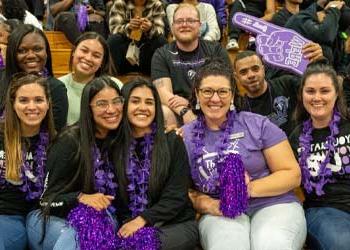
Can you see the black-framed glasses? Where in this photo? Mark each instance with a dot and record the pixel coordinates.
(103, 105)
(189, 21)
(209, 92)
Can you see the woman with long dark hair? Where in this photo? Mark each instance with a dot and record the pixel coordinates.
(79, 170)
(153, 175)
(28, 51)
(322, 146)
(90, 58)
(25, 132)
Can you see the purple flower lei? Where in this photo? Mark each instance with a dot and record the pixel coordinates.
(324, 173)
(104, 175)
(138, 173)
(230, 170)
(32, 179)
(95, 229)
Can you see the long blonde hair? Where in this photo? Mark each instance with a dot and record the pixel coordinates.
(12, 124)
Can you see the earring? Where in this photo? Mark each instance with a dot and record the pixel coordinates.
(232, 106)
(197, 107)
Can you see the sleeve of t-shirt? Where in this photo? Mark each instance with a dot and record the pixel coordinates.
(159, 65)
(59, 100)
(271, 134)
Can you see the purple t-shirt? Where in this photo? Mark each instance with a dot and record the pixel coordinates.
(251, 134)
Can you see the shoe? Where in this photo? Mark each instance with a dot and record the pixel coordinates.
(232, 44)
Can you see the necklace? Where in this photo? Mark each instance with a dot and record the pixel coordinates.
(32, 177)
(246, 98)
(324, 174)
(138, 173)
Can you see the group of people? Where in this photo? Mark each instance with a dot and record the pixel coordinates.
(114, 179)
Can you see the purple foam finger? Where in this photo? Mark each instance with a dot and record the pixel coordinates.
(285, 43)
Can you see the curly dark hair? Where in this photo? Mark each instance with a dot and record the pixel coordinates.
(13, 9)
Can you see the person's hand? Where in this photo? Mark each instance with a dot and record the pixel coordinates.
(204, 203)
(135, 23)
(177, 101)
(131, 227)
(146, 24)
(189, 117)
(312, 51)
(335, 4)
(247, 182)
(97, 201)
(90, 9)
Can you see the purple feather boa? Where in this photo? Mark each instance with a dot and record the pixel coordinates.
(95, 229)
(324, 173)
(146, 238)
(82, 16)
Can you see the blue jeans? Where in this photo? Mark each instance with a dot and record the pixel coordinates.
(58, 234)
(12, 232)
(328, 228)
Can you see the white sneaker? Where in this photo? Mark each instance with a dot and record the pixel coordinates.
(232, 44)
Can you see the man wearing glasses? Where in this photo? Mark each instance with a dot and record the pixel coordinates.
(175, 64)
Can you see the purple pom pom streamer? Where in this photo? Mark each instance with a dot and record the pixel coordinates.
(2, 64)
(95, 229)
(82, 16)
(233, 190)
(146, 238)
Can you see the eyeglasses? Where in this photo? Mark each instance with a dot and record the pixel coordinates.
(189, 21)
(103, 105)
(209, 92)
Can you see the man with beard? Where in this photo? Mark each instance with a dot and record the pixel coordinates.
(175, 64)
(274, 98)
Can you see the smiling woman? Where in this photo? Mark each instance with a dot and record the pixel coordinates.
(25, 132)
(90, 58)
(323, 152)
(28, 51)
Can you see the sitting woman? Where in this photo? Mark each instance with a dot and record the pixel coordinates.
(153, 175)
(321, 143)
(79, 169)
(209, 25)
(26, 130)
(243, 170)
(90, 58)
(141, 21)
(28, 51)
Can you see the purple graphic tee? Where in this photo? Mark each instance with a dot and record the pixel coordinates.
(251, 134)
(278, 46)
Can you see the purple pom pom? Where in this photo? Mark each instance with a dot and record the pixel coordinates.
(146, 238)
(233, 190)
(95, 230)
(82, 16)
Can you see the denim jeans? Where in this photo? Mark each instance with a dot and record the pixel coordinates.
(58, 234)
(328, 228)
(276, 227)
(12, 232)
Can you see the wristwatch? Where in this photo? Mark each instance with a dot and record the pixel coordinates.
(183, 111)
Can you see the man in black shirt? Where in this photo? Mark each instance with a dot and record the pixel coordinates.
(274, 98)
(174, 65)
(290, 8)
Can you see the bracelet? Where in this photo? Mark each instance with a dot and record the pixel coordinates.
(183, 111)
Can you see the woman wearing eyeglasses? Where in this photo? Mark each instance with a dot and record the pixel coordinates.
(79, 170)
(25, 133)
(243, 171)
